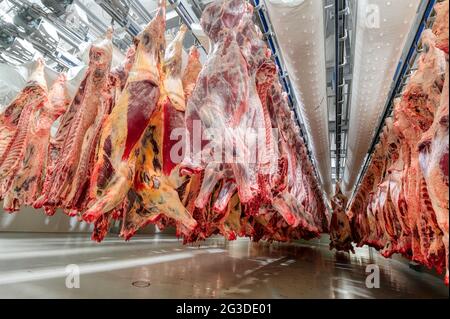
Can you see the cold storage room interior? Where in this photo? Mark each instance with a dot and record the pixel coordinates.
(224, 149)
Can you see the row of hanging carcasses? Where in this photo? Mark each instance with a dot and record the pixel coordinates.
(402, 203)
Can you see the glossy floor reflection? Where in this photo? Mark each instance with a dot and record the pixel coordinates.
(36, 266)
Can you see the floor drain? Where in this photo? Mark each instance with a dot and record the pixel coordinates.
(141, 283)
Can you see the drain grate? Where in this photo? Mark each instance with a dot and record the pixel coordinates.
(141, 283)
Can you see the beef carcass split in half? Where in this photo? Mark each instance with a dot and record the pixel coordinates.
(27, 183)
(218, 102)
(15, 124)
(158, 184)
(435, 165)
(67, 178)
(115, 168)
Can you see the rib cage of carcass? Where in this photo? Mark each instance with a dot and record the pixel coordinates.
(127, 145)
(402, 204)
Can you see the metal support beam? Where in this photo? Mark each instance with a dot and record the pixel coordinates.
(341, 9)
(185, 12)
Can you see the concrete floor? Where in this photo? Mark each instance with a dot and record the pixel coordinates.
(159, 266)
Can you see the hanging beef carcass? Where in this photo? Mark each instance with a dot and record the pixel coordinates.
(116, 82)
(292, 181)
(367, 211)
(441, 25)
(218, 104)
(132, 211)
(297, 209)
(157, 183)
(34, 92)
(262, 73)
(114, 171)
(15, 124)
(68, 179)
(219, 180)
(220, 172)
(420, 100)
(384, 205)
(433, 145)
(190, 189)
(434, 163)
(28, 180)
(340, 232)
(395, 175)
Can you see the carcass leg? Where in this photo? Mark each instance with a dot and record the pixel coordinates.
(224, 197)
(283, 207)
(213, 173)
(158, 197)
(114, 195)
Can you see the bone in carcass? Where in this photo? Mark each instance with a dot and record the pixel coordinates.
(28, 180)
(291, 183)
(15, 124)
(114, 170)
(262, 71)
(78, 131)
(134, 215)
(190, 74)
(433, 146)
(9, 118)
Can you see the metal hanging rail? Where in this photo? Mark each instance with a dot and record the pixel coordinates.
(403, 72)
(184, 11)
(272, 42)
(341, 10)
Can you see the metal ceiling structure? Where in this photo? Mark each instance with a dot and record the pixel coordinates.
(60, 29)
(339, 39)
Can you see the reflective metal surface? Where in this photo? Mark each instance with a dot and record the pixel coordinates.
(35, 266)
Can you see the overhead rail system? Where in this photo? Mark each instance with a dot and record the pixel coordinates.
(425, 19)
(184, 11)
(341, 10)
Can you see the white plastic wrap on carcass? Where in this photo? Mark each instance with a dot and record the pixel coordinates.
(299, 26)
(382, 29)
(13, 79)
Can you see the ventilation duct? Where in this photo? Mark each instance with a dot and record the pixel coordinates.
(380, 37)
(299, 26)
